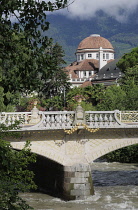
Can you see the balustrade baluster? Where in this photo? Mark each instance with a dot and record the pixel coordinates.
(47, 121)
(110, 119)
(21, 118)
(60, 120)
(5, 119)
(63, 121)
(13, 119)
(100, 120)
(95, 120)
(26, 119)
(68, 120)
(9, 120)
(17, 117)
(53, 124)
(105, 119)
(44, 120)
(57, 120)
(91, 120)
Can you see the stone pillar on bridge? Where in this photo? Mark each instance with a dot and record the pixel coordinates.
(77, 184)
(35, 117)
(79, 115)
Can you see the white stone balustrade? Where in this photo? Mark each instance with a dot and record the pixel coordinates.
(9, 118)
(48, 120)
(102, 119)
(57, 119)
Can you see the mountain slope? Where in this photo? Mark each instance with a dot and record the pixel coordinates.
(69, 32)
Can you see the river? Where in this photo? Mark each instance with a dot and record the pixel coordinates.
(116, 188)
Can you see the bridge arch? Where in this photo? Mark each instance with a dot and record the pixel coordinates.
(110, 146)
(41, 148)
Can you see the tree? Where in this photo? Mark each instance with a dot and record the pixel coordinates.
(129, 83)
(123, 97)
(14, 174)
(130, 86)
(128, 60)
(91, 94)
(130, 78)
(23, 57)
(124, 155)
(113, 98)
(55, 79)
(23, 61)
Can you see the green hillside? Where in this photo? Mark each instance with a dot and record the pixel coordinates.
(69, 32)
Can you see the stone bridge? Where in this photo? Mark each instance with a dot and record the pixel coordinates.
(73, 140)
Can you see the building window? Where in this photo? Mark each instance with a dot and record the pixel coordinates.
(103, 56)
(81, 56)
(89, 55)
(97, 55)
(90, 73)
(78, 57)
(107, 56)
(84, 73)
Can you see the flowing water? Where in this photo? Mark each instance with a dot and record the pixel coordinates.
(116, 188)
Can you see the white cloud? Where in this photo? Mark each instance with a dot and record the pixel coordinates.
(85, 9)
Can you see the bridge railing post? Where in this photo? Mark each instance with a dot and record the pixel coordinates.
(35, 117)
(79, 115)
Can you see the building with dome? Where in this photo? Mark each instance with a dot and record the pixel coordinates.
(93, 53)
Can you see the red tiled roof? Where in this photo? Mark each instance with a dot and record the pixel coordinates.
(86, 83)
(85, 65)
(89, 65)
(95, 42)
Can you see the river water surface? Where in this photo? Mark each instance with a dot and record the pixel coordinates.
(116, 188)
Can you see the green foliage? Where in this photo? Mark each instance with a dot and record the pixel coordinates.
(54, 103)
(26, 64)
(2, 106)
(129, 84)
(130, 78)
(14, 173)
(128, 60)
(54, 80)
(88, 106)
(125, 155)
(92, 95)
(28, 59)
(113, 98)
(132, 98)
(27, 104)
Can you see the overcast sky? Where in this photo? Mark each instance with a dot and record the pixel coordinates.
(85, 9)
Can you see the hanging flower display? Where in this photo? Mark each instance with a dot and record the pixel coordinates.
(76, 127)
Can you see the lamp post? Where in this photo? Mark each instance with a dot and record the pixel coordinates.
(64, 92)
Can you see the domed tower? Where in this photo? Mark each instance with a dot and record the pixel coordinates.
(92, 54)
(95, 47)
